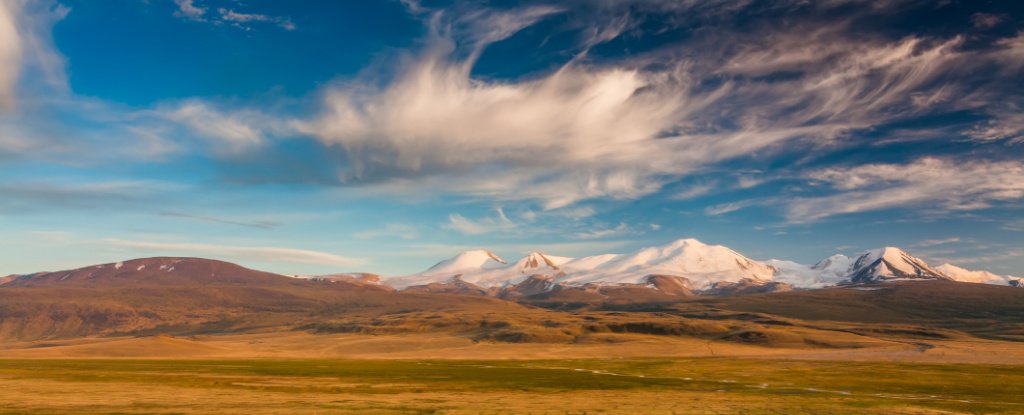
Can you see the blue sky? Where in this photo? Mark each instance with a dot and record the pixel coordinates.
(383, 136)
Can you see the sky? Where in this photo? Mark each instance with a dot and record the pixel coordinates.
(308, 137)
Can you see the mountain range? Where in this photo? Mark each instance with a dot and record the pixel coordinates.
(690, 263)
(481, 296)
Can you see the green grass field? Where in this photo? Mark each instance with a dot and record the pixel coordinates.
(707, 385)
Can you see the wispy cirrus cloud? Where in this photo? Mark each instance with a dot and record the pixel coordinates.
(619, 128)
(389, 230)
(10, 55)
(723, 208)
(34, 196)
(927, 183)
(259, 224)
(694, 191)
(1006, 124)
(227, 131)
(193, 10)
(497, 223)
(599, 233)
(430, 252)
(935, 242)
(625, 129)
(250, 253)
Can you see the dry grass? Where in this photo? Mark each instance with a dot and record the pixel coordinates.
(691, 386)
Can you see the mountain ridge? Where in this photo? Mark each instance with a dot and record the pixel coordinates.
(702, 265)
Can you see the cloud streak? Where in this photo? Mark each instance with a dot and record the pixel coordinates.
(191, 10)
(10, 54)
(927, 183)
(498, 223)
(258, 224)
(251, 253)
(626, 129)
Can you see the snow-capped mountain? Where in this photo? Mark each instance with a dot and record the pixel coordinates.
(826, 273)
(876, 265)
(966, 275)
(699, 263)
(483, 268)
(835, 267)
(468, 261)
(889, 263)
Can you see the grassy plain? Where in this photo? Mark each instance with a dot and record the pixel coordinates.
(330, 386)
(941, 348)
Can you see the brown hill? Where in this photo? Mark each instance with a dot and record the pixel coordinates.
(161, 271)
(745, 286)
(191, 296)
(980, 309)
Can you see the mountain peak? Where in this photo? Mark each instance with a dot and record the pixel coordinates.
(836, 263)
(891, 263)
(468, 260)
(537, 260)
(686, 242)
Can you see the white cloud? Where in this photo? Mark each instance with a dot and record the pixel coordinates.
(390, 230)
(27, 55)
(694, 191)
(31, 196)
(228, 220)
(498, 223)
(620, 230)
(187, 9)
(10, 53)
(240, 20)
(575, 213)
(192, 11)
(618, 129)
(228, 131)
(233, 16)
(578, 133)
(723, 208)
(934, 242)
(580, 248)
(486, 26)
(992, 255)
(1007, 123)
(623, 130)
(928, 183)
(251, 253)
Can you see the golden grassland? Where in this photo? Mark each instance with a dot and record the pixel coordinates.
(299, 372)
(681, 385)
(304, 345)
